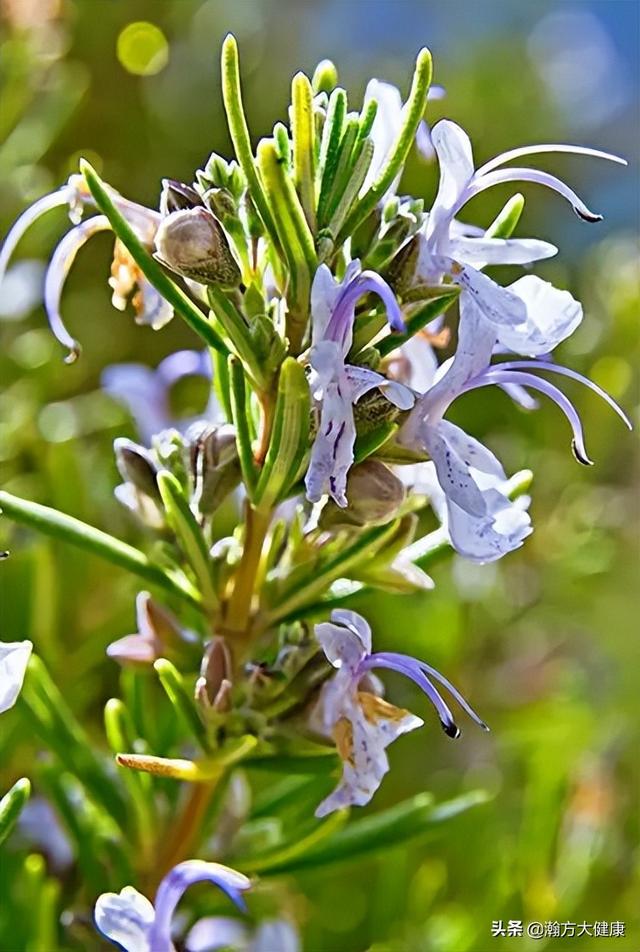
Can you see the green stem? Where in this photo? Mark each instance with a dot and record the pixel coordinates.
(61, 526)
(170, 291)
(240, 603)
(239, 416)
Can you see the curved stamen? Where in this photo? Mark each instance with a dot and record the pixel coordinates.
(500, 176)
(26, 220)
(408, 666)
(566, 372)
(61, 262)
(444, 681)
(545, 149)
(548, 389)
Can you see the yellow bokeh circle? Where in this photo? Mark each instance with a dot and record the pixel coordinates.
(142, 48)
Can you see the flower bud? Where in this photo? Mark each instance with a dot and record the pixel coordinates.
(215, 467)
(158, 635)
(177, 196)
(213, 687)
(375, 496)
(402, 271)
(220, 202)
(192, 243)
(372, 410)
(136, 465)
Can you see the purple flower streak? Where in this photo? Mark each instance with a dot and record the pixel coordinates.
(337, 386)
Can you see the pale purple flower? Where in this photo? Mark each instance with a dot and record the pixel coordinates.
(130, 920)
(14, 658)
(158, 633)
(483, 523)
(336, 386)
(530, 316)
(216, 932)
(126, 276)
(362, 724)
(146, 392)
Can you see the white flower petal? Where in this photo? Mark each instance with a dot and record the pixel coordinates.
(455, 156)
(487, 538)
(126, 919)
(385, 128)
(365, 728)
(14, 657)
(343, 644)
(454, 474)
(480, 252)
(498, 305)
(551, 316)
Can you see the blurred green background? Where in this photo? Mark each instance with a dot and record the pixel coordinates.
(544, 644)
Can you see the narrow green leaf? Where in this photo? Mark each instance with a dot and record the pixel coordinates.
(188, 533)
(239, 131)
(340, 209)
(373, 440)
(413, 113)
(333, 185)
(367, 118)
(272, 799)
(303, 132)
(236, 334)
(331, 137)
(304, 589)
(325, 77)
(221, 382)
(101, 843)
(63, 734)
(505, 222)
(290, 219)
(407, 821)
(183, 703)
(283, 143)
(121, 735)
(11, 806)
(68, 529)
(240, 417)
(43, 894)
(289, 435)
(295, 848)
(181, 302)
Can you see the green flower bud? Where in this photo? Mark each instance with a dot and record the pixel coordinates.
(375, 496)
(372, 410)
(192, 243)
(220, 202)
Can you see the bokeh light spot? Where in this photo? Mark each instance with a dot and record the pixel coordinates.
(142, 48)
